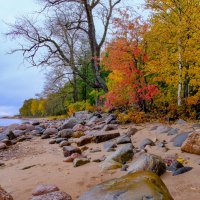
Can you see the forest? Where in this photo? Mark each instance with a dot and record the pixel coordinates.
(103, 55)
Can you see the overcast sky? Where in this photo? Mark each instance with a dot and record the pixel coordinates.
(17, 81)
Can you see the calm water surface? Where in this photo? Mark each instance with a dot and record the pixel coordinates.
(6, 122)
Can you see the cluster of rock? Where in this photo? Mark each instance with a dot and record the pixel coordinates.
(143, 169)
(49, 192)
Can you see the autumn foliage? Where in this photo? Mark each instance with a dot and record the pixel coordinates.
(125, 58)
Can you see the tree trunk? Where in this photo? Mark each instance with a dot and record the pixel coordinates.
(75, 89)
(100, 82)
(180, 74)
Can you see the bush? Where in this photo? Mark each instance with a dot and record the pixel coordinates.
(78, 106)
(131, 116)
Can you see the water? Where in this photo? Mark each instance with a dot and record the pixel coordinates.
(6, 122)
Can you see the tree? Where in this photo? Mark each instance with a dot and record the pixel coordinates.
(173, 46)
(125, 57)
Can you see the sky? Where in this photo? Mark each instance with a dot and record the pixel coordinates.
(18, 81)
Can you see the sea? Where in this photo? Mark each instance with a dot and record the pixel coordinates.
(7, 122)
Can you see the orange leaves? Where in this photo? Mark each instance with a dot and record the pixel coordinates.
(125, 58)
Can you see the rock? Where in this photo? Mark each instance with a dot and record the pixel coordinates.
(179, 139)
(181, 170)
(53, 196)
(70, 123)
(148, 162)
(137, 186)
(11, 135)
(78, 134)
(80, 161)
(110, 118)
(102, 137)
(174, 166)
(35, 123)
(110, 127)
(162, 129)
(21, 127)
(3, 146)
(84, 140)
(3, 136)
(74, 156)
(173, 131)
(65, 143)
(69, 150)
(109, 145)
(59, 140)
(95, 150)
(44, 189)
(4, 195)
(7, 142)
(192, 144)
(123, 154)
(131, 131)
(45, 136)
(80, 127)
(18, 133)
(2, 164)
(82, 115)
(124, 168)
(93, 121)
(50, 131)
(66, 133)
(110, 164)
(181, 121)
(37, 132)
(53, 141)
(146, 142)
(124, 139)
(98, 160)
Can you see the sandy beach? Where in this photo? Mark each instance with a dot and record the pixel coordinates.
(36, 162)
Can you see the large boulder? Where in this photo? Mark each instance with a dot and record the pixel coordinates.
(70, 123)
(4, 195)
(192, 144)
(138, 186)
(148, 162)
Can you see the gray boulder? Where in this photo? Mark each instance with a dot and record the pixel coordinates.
(148, 162)
(123, 154)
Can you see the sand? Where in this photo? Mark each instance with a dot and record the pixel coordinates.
(36, 162)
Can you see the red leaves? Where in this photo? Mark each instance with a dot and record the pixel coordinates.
(125, 58)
